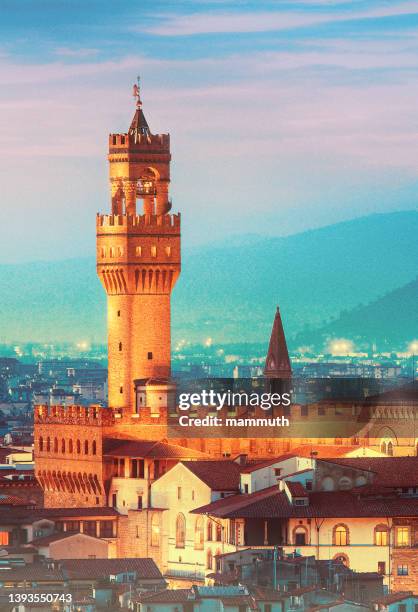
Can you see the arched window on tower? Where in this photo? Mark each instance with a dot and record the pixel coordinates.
(390, 449)
(48, 443)
(86, 447)
(93, 447)
(55, 445)
(41, 443)
(78, 445)
(70, 445)
(63, 445)
(180, 531)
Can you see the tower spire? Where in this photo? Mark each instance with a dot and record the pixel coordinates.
(139, 127)
(277, 362)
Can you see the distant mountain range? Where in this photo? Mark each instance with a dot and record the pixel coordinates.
(230, 291)
(391, 321)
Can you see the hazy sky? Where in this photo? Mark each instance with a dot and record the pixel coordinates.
(284, 116)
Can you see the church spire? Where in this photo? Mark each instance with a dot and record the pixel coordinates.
(277, 361)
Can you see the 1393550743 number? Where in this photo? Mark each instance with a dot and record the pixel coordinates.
(40, 597)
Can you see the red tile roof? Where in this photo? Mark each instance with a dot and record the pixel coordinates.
(253, 467)
(12, 500)
(390, 471)
(272, 503)
(391, 598)
(149, 449)
(167, 596)
(221, 475)
(93, 569)
(56, 537)
(296, 489)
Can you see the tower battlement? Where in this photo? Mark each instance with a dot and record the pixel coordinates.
(73, 415)
(143, 223)
(120, 143)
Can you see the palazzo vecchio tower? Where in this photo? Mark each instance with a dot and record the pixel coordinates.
(138, 260)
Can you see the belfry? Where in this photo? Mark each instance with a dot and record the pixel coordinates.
(138, 260)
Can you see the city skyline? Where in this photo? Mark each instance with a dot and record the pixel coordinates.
(323, 98)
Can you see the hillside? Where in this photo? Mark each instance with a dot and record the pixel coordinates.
(228, 292)
(389, 321)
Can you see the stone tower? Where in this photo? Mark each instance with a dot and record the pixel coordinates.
(138, 259)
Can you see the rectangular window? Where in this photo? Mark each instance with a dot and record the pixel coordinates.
(178, 492)
(149, 355)
(168, 251)
(73, 525)
(381, 538)
(138, 251)
(4, 538)
(304, 411)
(106, 529)
(153, 251)
(381, 568)
(402, 570)
(402, 608)
(89, 527)
(402, 536)
(321, 411)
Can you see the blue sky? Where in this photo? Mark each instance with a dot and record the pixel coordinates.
(284, 116)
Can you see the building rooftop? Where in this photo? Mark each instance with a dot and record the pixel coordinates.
(220, 475)
(95, 569)
(389, 471)
(272, 503)
(148, 449)
(391, 598)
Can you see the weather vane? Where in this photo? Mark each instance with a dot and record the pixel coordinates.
(136, 91)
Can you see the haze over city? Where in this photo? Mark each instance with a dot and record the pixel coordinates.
(284, 116)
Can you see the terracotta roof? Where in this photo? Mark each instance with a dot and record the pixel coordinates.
(390, 471)
(74, 512)
(253, 467)
(149, 449)
(323, 450)
(56, 537)
(93, 569)
(296, 489)
(272, 503)
(37, 572)
(167, 596)
(12, 500)
(218, 475)
(266, 594)
(393, 598)
(240, 600)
